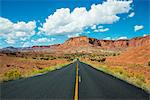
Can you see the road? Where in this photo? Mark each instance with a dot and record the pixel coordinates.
(60, 84)
(98, 85)
(53, 85)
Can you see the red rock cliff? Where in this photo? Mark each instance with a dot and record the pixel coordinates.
(107, 44)
(83, 41)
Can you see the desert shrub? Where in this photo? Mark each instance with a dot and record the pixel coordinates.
(114, 54)
(71, 59)
(12, 74)
(33, 57)
(53, 58)
(149, 63)
(44, 58)
(101, 60)
(42, 70)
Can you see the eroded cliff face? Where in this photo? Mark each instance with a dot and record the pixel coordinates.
(106, 44)
(77, 41)
(140, 41)
(84, 43)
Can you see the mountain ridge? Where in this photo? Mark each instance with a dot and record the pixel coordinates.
(84, 44)
(103, 44)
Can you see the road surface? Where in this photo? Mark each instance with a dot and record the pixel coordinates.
(98, 85)
(61, 84)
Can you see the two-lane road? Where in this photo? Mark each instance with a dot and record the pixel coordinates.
(61, 84)
(98, 85)
(53, 85)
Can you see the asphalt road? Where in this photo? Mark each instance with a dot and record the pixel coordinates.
(60, 84)
(57, 84)
(98, 85)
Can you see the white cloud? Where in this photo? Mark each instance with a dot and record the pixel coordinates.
(93, 27)
(146, 34)
(23, 38)
(131, 14)
(39, 41)
(73, 35)
(101, 30)
(100, 26)
(96, 30)
(13, 31)
(122, 37)
(138, 27)
(43, 40)
(27, 44)
(10, 41)
(64, 22)
(107, 38)
(104, 30)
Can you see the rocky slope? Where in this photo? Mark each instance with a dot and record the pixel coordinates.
(84, 44)
(106, 44)
(90, 45)
(135, 55)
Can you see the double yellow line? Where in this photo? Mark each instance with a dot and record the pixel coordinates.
(76, 84)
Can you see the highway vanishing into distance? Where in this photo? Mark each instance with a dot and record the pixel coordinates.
(75, 81)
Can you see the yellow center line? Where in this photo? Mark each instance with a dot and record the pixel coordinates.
(76, 84)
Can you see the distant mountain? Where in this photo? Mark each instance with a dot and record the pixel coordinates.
(107, 44)
(13, 49)
(84, 44)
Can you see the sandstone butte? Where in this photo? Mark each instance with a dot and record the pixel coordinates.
(84, 41)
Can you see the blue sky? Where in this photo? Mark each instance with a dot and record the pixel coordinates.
(43, 22)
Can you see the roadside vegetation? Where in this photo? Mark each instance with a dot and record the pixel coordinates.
(12, 74)
(47, 69)
(134, 74)
(21, 65)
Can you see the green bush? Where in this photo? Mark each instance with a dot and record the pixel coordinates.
(13, 74)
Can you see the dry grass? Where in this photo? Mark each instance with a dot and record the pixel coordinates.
(136, 75)
(9, 65)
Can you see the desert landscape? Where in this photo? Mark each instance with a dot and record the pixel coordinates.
(125, 59)
(74, 50)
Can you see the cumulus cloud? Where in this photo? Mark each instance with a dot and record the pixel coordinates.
(43, 40)
(138, 27)
(101, 30)
(27, 44)
(119, 38)
(100, 26)
(131, 14)
(63, 21)
(9, 40)
(93, 27)
(104, 30)
(12, 31)
(122, 37)
(107, 38)
(73, 35)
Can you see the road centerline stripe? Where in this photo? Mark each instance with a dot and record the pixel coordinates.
(76, 83)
